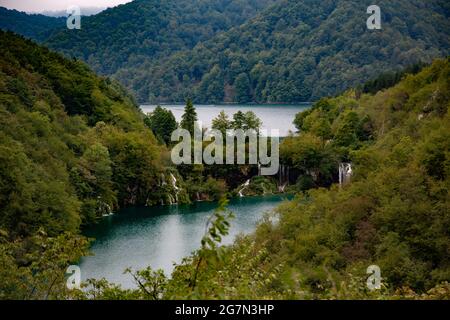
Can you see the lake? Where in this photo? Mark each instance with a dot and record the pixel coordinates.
(161, 235)
(273, 116)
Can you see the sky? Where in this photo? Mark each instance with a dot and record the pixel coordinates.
(57, 5)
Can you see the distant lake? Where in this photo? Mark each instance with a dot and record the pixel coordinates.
(273, 116)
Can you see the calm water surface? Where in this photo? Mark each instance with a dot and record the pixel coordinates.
(273, 116)
(159, 236)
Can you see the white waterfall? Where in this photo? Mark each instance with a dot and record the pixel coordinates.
(345, 173)
(245, 185)
(174, 184)
(283, 177)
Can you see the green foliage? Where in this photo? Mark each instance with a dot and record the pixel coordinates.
(389, 79)
(242, 87)
(34, 26)
(34, 268)
(126, 41)
(246, 121)
(247, 50)
(162, 122)
(189, 117)
(291, 51)
(221, 123)
(394, 213)
(73, 146)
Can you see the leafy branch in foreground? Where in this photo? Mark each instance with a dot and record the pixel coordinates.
(217, 227)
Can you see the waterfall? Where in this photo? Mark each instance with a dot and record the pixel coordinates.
(171, 198)
(174, 184)
(283, 177)
(108, 209)
(345, 173)
(245, 185)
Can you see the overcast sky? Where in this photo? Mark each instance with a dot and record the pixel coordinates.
(56, 5)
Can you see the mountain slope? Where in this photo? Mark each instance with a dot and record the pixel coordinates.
(73, 146)
(126, 35)
(298, 51)
(34, 26)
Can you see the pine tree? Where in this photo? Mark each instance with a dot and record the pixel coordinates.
(189, 117)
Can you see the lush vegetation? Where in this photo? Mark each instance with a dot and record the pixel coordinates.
(394, 213)
(34, 26)
(119, 40)
(251, 51)
(292, 51)
(73, 145)
(301, 51)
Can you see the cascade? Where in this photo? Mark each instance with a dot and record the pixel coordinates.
(174, 184)
(283, 177)
(345, 173)
(108, 209)
(245, 185)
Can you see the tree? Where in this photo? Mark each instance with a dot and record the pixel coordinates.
(243, 89)
(238, 120)
(162, 122)
(189, 117)
(246, 121)
(222, 122)
(251, 121)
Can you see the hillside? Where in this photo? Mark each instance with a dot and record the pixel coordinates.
(73, 146)
(127, 35)
(33, 26)
(253, 51)
(297, 51)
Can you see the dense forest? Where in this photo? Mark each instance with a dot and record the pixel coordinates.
(246, 50)
(33, 26)
(74, 146)
(291, 51)
(127, 35)
(394, 213)
(298, 51)
(68, 142)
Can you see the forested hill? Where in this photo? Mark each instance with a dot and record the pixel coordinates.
(297, 51)
(127, 35)
(253, 50)
(34, 26)
(73, 146)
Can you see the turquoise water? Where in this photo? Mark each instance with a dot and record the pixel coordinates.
(159, 236)
(273, 116)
